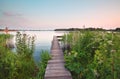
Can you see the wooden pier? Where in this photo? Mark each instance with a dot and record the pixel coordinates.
(55, 67)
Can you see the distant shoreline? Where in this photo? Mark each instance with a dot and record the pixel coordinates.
(26, 30)
(85, 29)
(8, 30)
(69, 29)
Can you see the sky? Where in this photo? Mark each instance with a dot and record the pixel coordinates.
(49, 14)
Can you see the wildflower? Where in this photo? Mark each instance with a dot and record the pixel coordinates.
(110, 42)
(113, 51)
(96, 73)
(75, 54)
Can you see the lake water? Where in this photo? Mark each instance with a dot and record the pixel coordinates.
(42, 40)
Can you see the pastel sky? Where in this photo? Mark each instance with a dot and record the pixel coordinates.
(46, 14)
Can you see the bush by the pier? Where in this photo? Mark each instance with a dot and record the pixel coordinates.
(93, 55)
(20, 64)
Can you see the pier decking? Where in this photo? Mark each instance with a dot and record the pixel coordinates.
(55, 67)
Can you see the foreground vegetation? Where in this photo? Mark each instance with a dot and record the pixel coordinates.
(45, 56)
(20, 64)
(93, 54)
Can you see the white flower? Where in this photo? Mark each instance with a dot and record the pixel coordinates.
(113, 51)
(110, 42)
(75, 54)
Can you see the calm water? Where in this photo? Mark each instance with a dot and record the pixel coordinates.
(42, 40)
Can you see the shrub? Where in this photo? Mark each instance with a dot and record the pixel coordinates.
(94, 54)
(19, 65)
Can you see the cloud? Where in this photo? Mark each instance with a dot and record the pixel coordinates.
(11, 14)
(14, 19)
(14, 16)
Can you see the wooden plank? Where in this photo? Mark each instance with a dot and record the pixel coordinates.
(56, 73)
(55, 61)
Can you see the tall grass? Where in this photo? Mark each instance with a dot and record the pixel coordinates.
(44, 57)
(3, 39)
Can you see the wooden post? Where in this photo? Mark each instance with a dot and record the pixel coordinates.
(6, 30)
